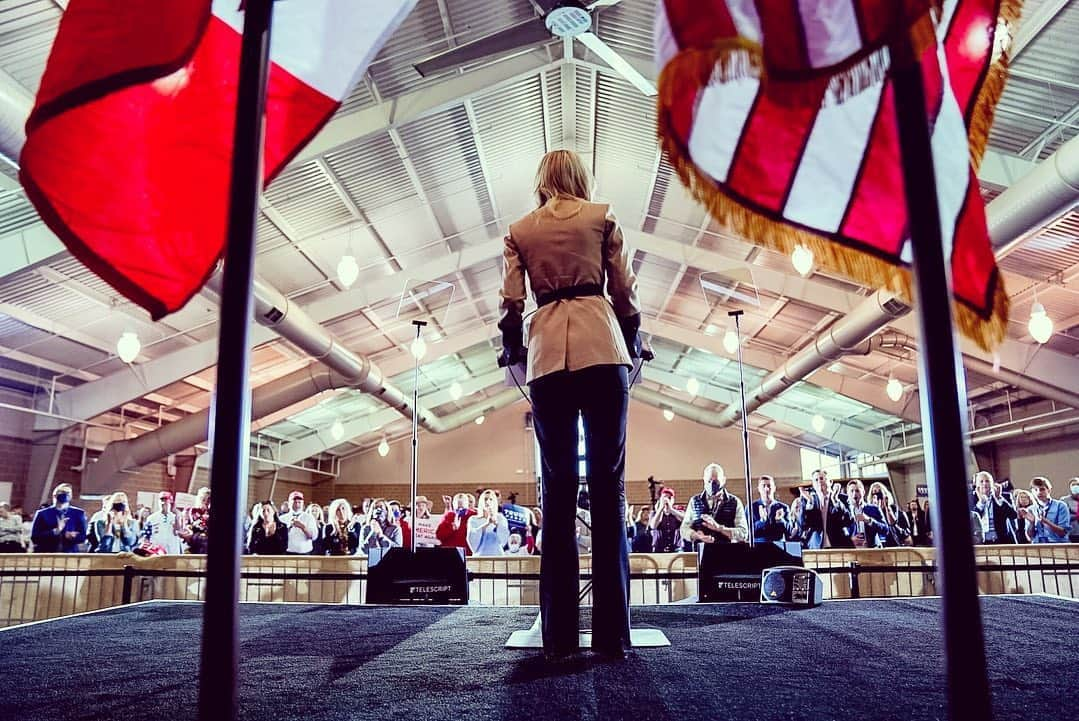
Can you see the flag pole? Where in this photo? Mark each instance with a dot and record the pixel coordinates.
(942, 398)
(230, 424)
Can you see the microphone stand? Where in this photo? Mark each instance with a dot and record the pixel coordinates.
(737, 314)
(415, 436)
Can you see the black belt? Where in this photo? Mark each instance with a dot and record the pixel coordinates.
(571, 291)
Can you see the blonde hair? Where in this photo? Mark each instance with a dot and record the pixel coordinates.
(337, 505)
(562, 174)
(1023, 493)
(878, 486)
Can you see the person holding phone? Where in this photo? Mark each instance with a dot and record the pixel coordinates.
(118, 531)
(581, 345)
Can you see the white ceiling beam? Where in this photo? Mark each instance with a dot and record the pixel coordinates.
(321, 440)
(393, 113)
(57, 328)
(872, 394)
(834, 431)
(1033, 23)
(92, 399)
(1003, 169)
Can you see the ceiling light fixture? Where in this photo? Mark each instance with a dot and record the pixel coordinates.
(818, 422)
(480, 420)
(348, 270)
(418, 349)
(894, 389)
(383, 447)
(693, 386)
(802, 258)
(668, 414)
(337, 430)
(770, 442)
(730, 341)
(128, 346)
(1040, 324)
(456, 391)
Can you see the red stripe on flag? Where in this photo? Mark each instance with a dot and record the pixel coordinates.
(136, 182)
(973, 262)
(781, 24)
(876, 216)
(770, 150)
(699, 23)
(968, 47)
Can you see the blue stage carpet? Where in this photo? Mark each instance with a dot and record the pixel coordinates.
(849, 660)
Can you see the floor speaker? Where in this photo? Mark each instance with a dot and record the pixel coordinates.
(427, 576)
(791, 586)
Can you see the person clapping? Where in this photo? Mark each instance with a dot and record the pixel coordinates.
(269, 536)
(488, 531)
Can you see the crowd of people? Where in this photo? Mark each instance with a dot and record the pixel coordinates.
(821, 514)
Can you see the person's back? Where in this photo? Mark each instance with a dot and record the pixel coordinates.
(580, 340)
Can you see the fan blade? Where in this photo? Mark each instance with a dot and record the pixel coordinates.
(544, 6)
(517, 36)
(607, 54)
(602, 4)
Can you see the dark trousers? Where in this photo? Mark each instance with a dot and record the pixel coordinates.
(601, 395)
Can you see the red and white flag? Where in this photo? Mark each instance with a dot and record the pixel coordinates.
(128, 149)
(780, 118)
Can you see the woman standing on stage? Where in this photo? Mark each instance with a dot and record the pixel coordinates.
(578, 354)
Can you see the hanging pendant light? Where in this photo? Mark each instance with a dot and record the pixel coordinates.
(418, 349)
(668, 414)
(894, 389)
(383, 447)
(128, 346)
(456, 391)
(337, 430)
(770, 442)
(818, 422)
(730, 342)
(693, 386)
(1040, 324)
(802, 258)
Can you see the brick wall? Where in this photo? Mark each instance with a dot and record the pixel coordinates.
(15, 466)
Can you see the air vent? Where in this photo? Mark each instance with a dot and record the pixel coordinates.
(273, 315)
(895, 307)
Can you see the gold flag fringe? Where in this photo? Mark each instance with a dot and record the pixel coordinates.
(981, 119)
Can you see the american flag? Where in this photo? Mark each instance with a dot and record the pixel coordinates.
(780, 118)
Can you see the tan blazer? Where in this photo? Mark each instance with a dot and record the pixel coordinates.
(560, 245)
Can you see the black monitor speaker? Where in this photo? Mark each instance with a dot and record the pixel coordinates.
(432, 576)
(791, 586)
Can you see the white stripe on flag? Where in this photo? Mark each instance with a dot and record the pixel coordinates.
(825, 178)
(951, 158)
(328, 44)
(717, 124)
(745, 17)
(831, 30)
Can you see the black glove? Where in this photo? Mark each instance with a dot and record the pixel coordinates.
(630, 326)
(513, 348)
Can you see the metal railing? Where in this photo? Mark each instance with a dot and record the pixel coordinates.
(42, 587)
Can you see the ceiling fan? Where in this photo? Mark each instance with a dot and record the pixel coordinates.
(566, 19)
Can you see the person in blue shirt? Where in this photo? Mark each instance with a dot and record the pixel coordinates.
(1050, 516)
(868, 528)
(61, 527)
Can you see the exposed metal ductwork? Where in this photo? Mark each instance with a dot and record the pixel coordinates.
(992, 434)
(15, 106)
(274, 310)
(843, 337)
(1035, 200)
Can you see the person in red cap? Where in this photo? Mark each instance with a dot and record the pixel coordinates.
(665, 522)
(301, 525)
